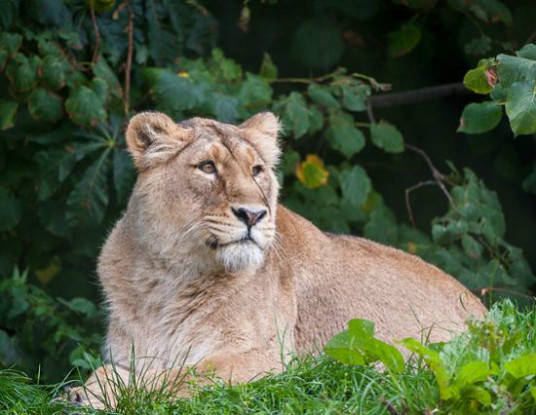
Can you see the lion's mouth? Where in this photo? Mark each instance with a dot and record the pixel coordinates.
(215, 244)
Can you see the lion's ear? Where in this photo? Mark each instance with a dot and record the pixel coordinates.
(262, 131)
(153, 137)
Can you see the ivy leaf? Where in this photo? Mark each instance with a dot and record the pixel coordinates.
(355, 185)
(478, 118)
(321, 95)
(8, 110)
(88, 200)
(22, 72)
(311, 172)
(124, 174)
(10, 209)
(404, 40)
(44, 106)
(295, 115)
(102, 70)
(85, 107)
(343, 134)
(53, 73)
(521, 107)
(387, 137)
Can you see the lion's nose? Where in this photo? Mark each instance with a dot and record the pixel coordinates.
(248, 216)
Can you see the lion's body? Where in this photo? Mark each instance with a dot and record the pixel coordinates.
(179, 292)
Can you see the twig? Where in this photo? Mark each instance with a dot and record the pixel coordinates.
(390, 407)
(418, 95)
(408, 203)
(483, 291)
(370, 113)
(96, 30)
(439, 177)
(130, 53)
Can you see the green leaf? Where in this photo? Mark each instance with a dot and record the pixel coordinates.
(387, 137)
(433, 360)
(172, 93)
(8, 110)
(22, 72)
(521, 107)
(480, 117)
(341, 348)
(53, 73)
(317, 43)
(124, 174)
(476, 81)
(355, 185)
(10, 209)
(527, 52)
(404, 40)
(102, 70)
(10, 42)
(311, 172)
(224, 107)
(343, 134)
(82, 305)
(472, 247)
(44, 106)
(478, 46)
(88, 200)
(85, 107)
(471, 373)
(54, 168)
(513, 69)
(255, 92)
(268, 70)
(321, 95)
(295, 115)
(381, 226)
(354, 96)
(522, 366)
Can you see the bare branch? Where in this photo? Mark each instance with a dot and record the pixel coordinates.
(408, 192)
(418, 95)
(439, 177)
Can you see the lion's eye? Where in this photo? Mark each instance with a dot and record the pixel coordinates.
(207, 167)
(256, 170)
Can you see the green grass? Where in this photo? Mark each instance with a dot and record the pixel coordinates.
(322, 385)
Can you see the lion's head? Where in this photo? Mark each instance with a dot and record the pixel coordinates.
(205, 189)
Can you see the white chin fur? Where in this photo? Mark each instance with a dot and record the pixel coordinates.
(237, 257)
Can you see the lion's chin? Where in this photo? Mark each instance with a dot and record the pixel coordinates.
(240, 256)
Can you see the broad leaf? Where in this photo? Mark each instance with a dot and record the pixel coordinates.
(521, 107)
(45, 106)
(480, 117)
(387, 137)
(522, 366)
(53, 73)
(295, 115)
(404, 40)
(124, 174)
(321, 95)
(8, 110)
(85, 107)
(355, 185)
(88, 200)
(311, 172)
(343, 135)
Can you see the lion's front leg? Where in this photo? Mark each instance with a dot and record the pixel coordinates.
(102, 388)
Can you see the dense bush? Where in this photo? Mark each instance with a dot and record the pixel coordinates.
(73, 72)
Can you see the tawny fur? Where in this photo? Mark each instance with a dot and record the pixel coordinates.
(181, 290)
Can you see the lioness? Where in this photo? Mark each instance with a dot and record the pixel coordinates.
(206, 268)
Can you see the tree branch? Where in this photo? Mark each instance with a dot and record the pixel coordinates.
(130, 53)
(418, 95)
(408, 203)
